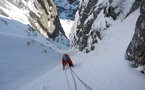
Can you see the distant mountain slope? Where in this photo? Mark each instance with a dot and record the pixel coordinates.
(67, 8)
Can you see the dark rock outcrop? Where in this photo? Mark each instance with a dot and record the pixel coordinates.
(136, 49)
(48, 21)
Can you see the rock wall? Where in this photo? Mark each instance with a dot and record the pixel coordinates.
(136, 49)
(95, 16)
(92, 18)
(42, 15)
(48, 22)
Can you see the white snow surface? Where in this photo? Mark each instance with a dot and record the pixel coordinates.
(66, 24)
(28, 63)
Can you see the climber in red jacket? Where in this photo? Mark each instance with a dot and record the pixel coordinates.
(66, 59)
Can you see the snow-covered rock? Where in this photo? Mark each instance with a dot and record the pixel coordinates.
(67, 8)
(136, 49)
(95, 16)
(40, 14)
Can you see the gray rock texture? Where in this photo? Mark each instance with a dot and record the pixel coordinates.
(66, 8)
(95, 16)
(136, 49)
(45, 20)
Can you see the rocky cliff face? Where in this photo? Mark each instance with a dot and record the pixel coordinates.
(95, 16)
(41, 14)
(67, 8)
(136, 49)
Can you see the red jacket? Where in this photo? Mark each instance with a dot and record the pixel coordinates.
(66, 61)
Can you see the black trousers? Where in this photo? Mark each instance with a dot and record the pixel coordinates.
(68, 63)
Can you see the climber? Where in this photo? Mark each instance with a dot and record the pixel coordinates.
(66, 59)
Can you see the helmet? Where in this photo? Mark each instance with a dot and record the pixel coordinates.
(65, 55)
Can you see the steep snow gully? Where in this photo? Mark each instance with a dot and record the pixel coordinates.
(28, 63)
(103, 69)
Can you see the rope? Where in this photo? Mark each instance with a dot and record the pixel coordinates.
(87, 87)
(67, 80)
(75, 84)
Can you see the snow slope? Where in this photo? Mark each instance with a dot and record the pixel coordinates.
(23, 56)
(66, 24)
(34, 66)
